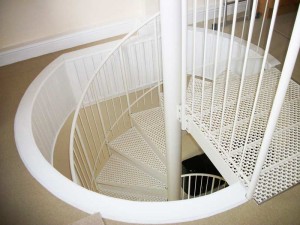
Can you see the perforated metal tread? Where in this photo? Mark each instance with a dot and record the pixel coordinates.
(285, 144)
(208, 90)
(290, 115)
(278, 179)
(148, 117)
(285, 147)
(132, 146)
(270, 80)
(120, 173)
(152, 123)
(128, 195)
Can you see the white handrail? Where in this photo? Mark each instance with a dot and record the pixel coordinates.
(90, 202)
(85, 93)
(184, 25)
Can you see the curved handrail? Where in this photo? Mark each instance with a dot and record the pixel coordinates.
(110, 208)
(90, 202)
(87, 88)
(120, 117)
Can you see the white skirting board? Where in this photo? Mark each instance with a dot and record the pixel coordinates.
(65, 41)
(43, 47)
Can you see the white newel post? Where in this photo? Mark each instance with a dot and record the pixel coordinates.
(171, 54)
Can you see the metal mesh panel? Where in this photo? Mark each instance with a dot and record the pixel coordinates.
(123, 194)
(285, 143)
(121, 173)
(132, 145)
(152, 123)
(278, 179)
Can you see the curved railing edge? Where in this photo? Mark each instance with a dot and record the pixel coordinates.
(91, 202)
(110, 208)
(72, 168)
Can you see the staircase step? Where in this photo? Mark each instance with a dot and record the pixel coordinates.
(265, 100)
(151, 124)
(285, 145)
(126, 194)
(290, 115)
(270, 80)
(120, 173)
(280, 170)
(208, 89)
(278, 179)
(132, 146)
(146, 118)
(264, 104)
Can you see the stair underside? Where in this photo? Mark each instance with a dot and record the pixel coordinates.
(285, 146)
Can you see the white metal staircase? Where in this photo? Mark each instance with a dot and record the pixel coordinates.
(134, 166)
(122, 179)
(239, 155)
(230, 114)
(136, 169)
(151, 124)
(227, 94)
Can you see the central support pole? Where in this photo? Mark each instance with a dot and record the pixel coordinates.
(171, 55)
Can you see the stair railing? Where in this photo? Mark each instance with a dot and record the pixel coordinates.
(212, 100)
(127, 81)
(200, 184)
(283, 85)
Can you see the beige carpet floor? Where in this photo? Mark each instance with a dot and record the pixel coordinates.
(24, 201)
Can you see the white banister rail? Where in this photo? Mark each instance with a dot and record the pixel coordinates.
(128, 80)
(220, 108)
(231, 89)
(184, 61)
(104, 111)
(218, 66)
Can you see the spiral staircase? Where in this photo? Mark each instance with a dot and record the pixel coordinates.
(241, 110)
(226, 109)
(136, 169)
(134, 166)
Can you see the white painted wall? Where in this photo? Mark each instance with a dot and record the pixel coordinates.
(30, 21)
(32, 28)
(23, 22)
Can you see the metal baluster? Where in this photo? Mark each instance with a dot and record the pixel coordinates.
(252, 21)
